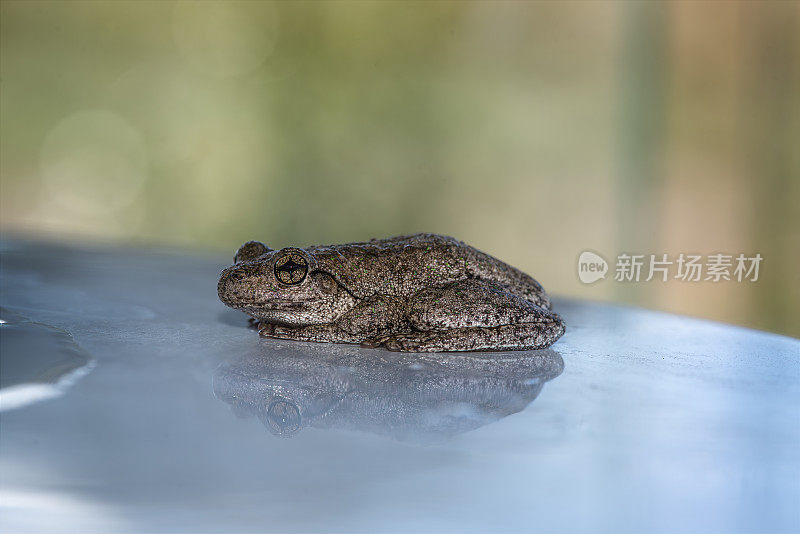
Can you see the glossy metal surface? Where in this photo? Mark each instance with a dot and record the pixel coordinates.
(184, 420)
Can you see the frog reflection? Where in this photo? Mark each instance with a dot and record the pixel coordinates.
(405, 396)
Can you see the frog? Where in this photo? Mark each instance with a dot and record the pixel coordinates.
(411, 293)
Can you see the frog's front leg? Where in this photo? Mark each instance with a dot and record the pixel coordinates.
(328, 333)
(369, 318)
(472, 315)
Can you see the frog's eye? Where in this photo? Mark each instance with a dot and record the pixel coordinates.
(291, 268)
(250, 251)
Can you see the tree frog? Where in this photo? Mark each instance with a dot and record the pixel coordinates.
(415, 293)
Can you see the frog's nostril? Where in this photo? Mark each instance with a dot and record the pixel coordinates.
(237, 275)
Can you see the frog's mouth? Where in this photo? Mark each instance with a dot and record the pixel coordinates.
(289, 314)
(277, 305)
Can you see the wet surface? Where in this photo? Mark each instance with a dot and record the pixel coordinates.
(38, 361)
(634, 421)
(409, 397)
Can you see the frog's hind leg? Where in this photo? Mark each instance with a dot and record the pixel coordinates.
(523, 336)
(482, 266)
(473, 315)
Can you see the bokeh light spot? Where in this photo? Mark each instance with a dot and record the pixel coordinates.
(93, 162)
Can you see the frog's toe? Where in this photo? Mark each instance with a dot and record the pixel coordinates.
(389, 342)
(265, 329)
(377, 341)
(371, 343)
(400, 343)
(394, 344)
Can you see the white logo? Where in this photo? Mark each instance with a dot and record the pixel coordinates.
(660, 267)
(591, 267)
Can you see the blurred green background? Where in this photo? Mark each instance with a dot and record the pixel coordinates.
(532, 131)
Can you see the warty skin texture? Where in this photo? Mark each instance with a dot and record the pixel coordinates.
(418, 293)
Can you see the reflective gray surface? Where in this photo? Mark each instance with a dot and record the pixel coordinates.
(634, 421)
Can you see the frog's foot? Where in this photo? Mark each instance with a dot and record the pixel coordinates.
(522, 336)
(264, 329)
(393, 342)
(374, 342)
(281, 332)
(319, 333)
(396, 342)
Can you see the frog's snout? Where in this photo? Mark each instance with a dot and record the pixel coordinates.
(229, 285)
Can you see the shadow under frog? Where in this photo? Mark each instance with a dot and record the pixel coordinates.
(409, 397)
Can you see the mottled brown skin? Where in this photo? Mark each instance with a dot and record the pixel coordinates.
(419, 293)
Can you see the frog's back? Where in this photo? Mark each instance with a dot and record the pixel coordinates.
(402, 265)
(397, 266)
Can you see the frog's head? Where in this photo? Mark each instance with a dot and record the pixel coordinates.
(282, 287)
